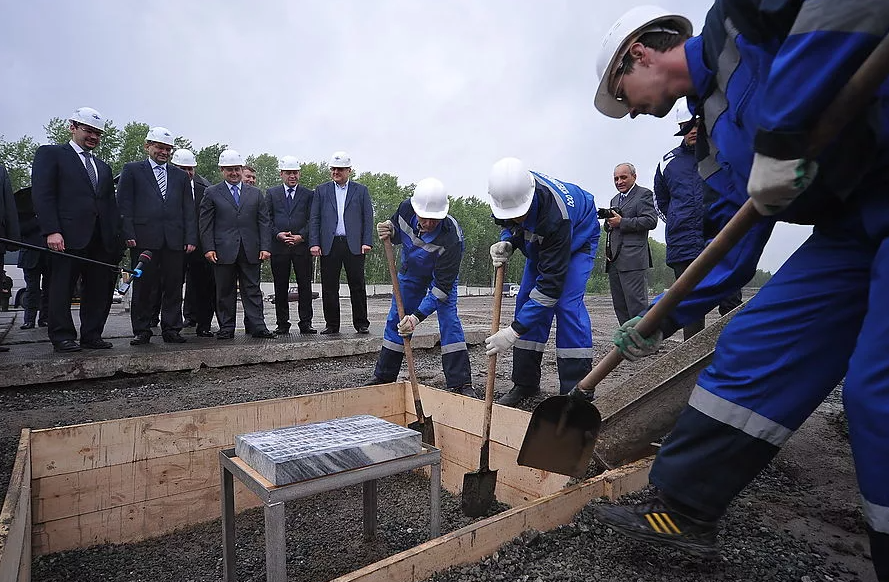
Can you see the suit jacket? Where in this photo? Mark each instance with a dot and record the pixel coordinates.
(295, 221)
(225, 226)
(9, 218)
(358, 216)
(629, 242)
(199, 189)
(150, 219)
(66, 202)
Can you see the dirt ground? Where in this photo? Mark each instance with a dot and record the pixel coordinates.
(799, 521)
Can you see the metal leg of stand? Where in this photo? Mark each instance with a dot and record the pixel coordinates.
(435, 501)
(370, 509)
(275, 546)
(228, 526)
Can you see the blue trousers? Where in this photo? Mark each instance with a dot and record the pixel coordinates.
(574, 335)
(822, 317)
(454, 355)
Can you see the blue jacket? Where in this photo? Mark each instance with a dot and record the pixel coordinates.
(431, 259)
(679, 194)
(561, 221)
(763, 72)
(358, 216)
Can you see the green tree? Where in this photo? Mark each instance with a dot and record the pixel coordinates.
(267, 174)
(312, 174)
(17, 156)
(132, 147)
(182, 143)
(208, 162)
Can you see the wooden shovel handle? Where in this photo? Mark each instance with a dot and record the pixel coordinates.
(492, 368)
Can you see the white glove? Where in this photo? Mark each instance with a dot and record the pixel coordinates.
(774, 184)
(407, 325)
(500, 253)
(501, 341)
(385, 229)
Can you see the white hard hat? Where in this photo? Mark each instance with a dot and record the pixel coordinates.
(230, 158)
(160, 135)
(340, 160)
(511, 188)
(623, 33)
(682, 112)
(88, 116)
(183, 157)
(288, 163)
(430, 199)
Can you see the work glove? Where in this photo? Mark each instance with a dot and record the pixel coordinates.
(407, 325)
(501, 341)
(500, 253)
(632, 345)
(385, 229)
(774, 184)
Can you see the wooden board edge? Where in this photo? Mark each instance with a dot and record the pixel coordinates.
(15, 517)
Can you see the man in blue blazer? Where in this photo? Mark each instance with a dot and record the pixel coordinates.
(155, 205)
(73, 194)
(340, 233)
(290, 206)
(235, 236)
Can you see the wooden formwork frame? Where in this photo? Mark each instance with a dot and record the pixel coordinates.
(130, 479)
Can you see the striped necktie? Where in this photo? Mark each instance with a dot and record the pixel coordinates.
(90, 170)
(235, 195)
(161, 175)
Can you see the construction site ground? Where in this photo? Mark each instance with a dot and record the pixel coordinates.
(800, 521)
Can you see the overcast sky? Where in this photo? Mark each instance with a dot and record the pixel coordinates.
(412, 88)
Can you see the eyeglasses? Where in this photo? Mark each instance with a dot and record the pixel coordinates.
(620, 71)
(89, 130)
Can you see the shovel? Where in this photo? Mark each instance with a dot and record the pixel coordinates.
(423, 424)
(561, 436)
(478, 486)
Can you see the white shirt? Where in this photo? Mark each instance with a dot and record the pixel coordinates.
(340, 208)
(80, 151)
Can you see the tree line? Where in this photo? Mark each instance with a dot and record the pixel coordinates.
(122, 145)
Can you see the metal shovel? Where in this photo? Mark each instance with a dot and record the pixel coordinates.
(478, 486)
(561, 436)
(423, 424)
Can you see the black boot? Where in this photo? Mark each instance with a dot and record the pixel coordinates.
(466, 390)
(517, 394)
(879, 551)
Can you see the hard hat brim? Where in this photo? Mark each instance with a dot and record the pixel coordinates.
(93, 125)
(515, 211)
(440, 215)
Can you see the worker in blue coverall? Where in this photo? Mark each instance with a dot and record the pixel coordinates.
(554, 225)
(679, 193)
(432, 248)
(759, 77)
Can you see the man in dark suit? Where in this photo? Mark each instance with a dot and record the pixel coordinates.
(9, 219)
(34, 264)
(235, 235)
(73, 195)
(290, 206)
(627, 254)
(156, 207)
(200, 288)
(340, 233)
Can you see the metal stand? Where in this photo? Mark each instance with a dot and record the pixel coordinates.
(273, 498)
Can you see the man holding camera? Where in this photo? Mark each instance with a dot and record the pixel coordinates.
(627, 255)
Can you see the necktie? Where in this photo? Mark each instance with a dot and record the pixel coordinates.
(289, 199)
(91, 171)
(161, 176)
(236, 196)
(622, 198)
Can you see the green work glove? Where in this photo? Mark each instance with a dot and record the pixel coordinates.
(632, 345)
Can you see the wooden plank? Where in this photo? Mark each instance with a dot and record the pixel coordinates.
(476, 541)
(115, 442)
(58, 496)
(15, 526)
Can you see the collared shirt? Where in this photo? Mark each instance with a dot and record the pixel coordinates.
(80, 151)
(340, 208)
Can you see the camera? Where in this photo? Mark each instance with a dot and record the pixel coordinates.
(606, 213)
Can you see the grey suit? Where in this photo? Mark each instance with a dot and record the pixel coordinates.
(237, 232)
(628, 256)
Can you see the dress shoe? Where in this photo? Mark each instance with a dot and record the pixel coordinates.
(308, 330)
(329, 330)
(141, 339)
(189, 323)
(96, 344)
(363, 330)
(27, 325)
(466, 390)
(4, 349)
(376, 380)
(173, 337)
(224, 335)
(282, 330)
(263, 333)
(204, 333)
(41, 324)
(517, 394)
(66, 346)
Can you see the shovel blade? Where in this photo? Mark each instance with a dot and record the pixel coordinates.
(561, 436)
(426, 430)
(478, 492)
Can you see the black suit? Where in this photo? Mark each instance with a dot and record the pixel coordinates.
(200, 288)
(163, 224)
(89, 221)
(293, 218)
(237, 233)
(35, 266)
(9, 219)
